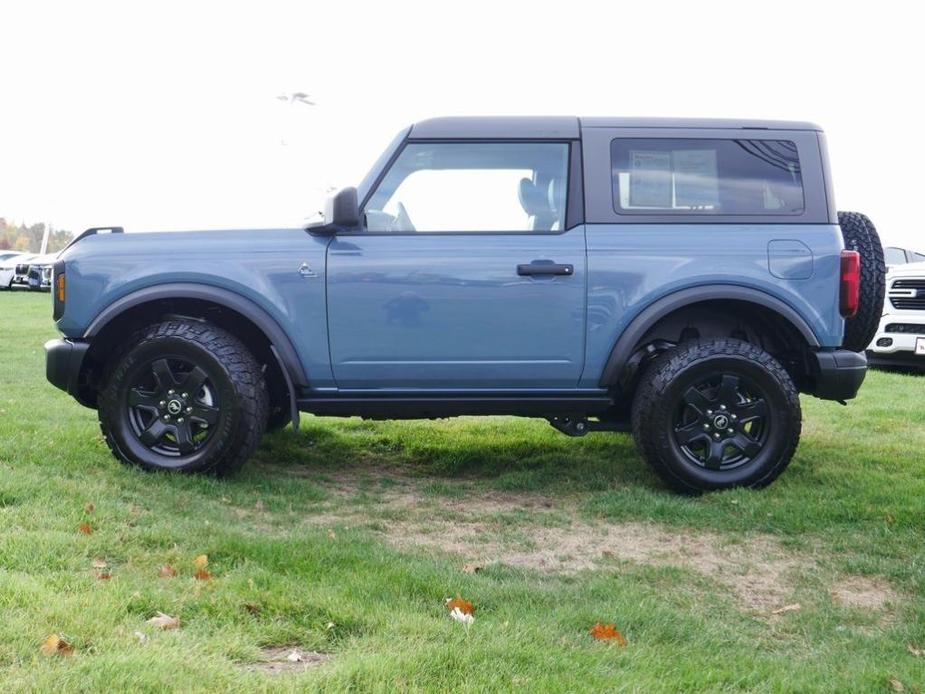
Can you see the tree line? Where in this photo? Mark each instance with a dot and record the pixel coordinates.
(28, 237)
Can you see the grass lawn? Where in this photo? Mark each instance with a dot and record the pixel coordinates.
(345, 539)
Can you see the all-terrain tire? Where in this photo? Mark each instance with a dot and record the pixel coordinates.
(860, 235)
(134, 401)
(675, 400)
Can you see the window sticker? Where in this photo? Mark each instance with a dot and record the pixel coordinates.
(650, 179)
(695, 180)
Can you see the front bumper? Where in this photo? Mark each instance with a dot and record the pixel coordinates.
(63, 361)
(896, 343)
(838, 374)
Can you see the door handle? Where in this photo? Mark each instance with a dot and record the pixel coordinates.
(541, 267)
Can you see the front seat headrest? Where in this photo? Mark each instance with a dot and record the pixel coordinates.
(533, 200)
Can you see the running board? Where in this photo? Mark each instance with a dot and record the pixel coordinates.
(435, 407)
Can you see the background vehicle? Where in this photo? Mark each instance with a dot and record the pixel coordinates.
(6, 255)
(38, 274)
(13, 270)
(900, 339)
(901, 256)
(683, 279)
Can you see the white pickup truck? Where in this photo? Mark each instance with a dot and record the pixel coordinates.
(900, 339)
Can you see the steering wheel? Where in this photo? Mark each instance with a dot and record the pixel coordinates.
(402, 220)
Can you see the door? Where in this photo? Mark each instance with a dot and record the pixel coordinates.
(466, 275)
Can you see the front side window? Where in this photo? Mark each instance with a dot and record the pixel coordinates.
(706, 177)
(476, 186)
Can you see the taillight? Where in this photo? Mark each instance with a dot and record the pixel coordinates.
(58, 290)
(850, 285)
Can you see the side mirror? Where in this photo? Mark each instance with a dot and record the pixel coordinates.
(341, 211)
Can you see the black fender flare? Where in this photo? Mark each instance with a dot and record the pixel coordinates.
(649, 316)
(278, 338)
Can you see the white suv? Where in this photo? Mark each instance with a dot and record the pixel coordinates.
(900, 339)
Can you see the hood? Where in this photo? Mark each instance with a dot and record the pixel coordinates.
(16, 260)
(907, 269)
(47, 259)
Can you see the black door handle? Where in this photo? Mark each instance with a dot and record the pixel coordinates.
(539, 267)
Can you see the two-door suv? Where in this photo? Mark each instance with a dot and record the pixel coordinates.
(680, 279)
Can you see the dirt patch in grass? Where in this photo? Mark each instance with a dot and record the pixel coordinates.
(489, 527)
(280, 660)
(865, 593)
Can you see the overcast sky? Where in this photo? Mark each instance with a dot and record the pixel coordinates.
(166, 117)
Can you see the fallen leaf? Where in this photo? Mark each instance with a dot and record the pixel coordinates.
(85, 529)
(294, 657)
(89, 507)
(896, 685)
(100, 563)
(251, 607)
(104, 575)
(141, 636)
(202, 561)
(460, 616)
(472, 568)
(332, 535)
(259, 505)
(889, 519)
(458, 603)
(167, 571)
(608, 632)
(795, 607)
(164, 621)
(330, 626)
(915, 650)
(55, 644)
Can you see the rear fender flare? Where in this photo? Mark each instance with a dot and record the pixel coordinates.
(654, 312)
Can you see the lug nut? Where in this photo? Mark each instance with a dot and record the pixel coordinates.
(179, 420)
(185, 396)
(722, 407)
(733, 417)
(171, 392)
(188, 410)
(716, 436)
(162, 403)
(709, 412)
(166, 417)
(706, 427)
(729, 431)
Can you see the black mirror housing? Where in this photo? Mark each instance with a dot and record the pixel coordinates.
(341, 211)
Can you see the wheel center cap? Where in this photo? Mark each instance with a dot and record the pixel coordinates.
(174, 407)
(721, 421)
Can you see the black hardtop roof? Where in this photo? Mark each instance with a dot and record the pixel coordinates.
(568, 127)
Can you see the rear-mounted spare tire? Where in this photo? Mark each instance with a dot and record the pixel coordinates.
(860, 235)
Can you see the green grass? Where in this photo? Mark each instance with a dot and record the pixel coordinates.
(311, 534)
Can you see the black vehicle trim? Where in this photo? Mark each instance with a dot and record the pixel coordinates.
(450, 405)
(626, 343)
(188, 290)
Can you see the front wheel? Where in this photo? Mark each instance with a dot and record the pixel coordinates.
(183, 395)
(716, 414)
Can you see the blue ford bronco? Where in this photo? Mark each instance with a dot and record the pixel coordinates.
(683, 280)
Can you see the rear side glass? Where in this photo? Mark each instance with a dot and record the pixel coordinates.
(709, 177)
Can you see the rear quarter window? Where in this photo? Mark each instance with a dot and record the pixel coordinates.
(709, 177)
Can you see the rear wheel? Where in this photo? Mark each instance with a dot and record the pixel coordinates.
(716, 414)
(184, 396)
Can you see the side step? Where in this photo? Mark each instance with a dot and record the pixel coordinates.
(436, 407)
